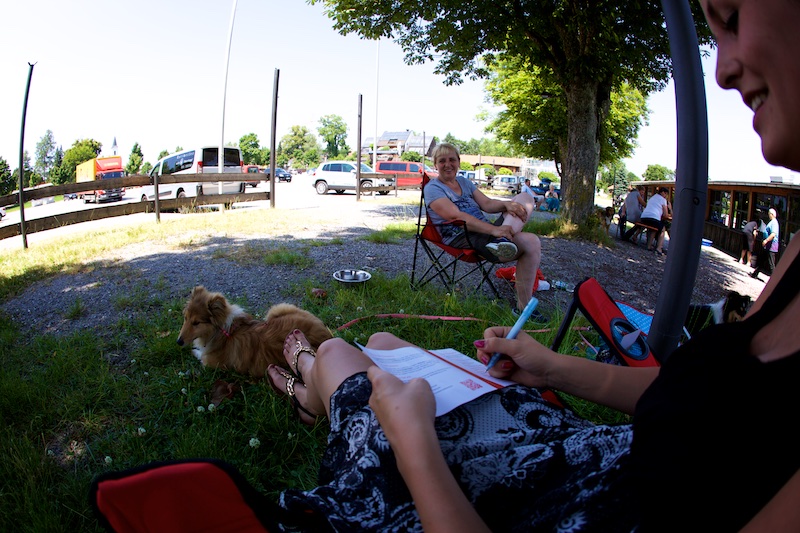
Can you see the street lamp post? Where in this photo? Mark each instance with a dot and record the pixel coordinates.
(377, 71)
(221, 153)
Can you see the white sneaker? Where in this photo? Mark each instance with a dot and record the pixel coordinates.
(504, 250)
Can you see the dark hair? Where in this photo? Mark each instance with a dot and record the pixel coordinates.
(662, 189)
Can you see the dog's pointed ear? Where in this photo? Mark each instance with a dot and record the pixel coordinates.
(218, 309)
(197, 291)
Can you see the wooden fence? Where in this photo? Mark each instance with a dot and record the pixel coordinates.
(116, 209)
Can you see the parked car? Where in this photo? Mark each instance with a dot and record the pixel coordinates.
(340, 176)
(251, 169)
(281, 174)
(411, 171)
(506, 183)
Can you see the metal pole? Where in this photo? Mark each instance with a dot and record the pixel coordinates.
(691, 181)
(221, 153)
(22, 160)
(272, 143)
(358, 157)
(375, 143)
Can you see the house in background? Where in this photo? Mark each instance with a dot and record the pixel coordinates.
(392, 144)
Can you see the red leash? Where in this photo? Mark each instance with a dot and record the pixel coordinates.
(435, 317)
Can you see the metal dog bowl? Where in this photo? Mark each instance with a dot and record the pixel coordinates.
(351, 276)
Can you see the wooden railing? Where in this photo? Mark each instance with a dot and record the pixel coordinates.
(101, 212)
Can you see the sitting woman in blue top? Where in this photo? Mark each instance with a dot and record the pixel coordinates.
(450, 197)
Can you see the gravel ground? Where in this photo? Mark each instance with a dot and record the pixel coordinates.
(221, 262)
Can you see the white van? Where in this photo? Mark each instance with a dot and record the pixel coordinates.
(504, 182)
(198, 161)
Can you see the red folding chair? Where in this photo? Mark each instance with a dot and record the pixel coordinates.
(610, 322)
(450, 265)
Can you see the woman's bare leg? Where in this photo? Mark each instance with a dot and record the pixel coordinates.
(336, 361)
(530, 257)
(528, 202)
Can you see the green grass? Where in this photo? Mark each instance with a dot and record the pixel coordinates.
(78, 406)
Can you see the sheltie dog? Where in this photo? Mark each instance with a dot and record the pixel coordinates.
(606, 216)
(225, 336)
(732, 308)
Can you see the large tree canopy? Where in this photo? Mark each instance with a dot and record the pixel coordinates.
(589, 46)
(534, 116)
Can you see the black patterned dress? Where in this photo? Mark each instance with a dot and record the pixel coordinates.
(525, 464)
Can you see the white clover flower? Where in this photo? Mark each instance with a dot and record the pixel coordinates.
(180, 374)
(141, 431)
(201, 409)
(50, 453)
(211, 407)
(402, 311)
(133, 361)
(146, 373)
(338, 317)
(289, 435)
(254, 443)
(108, 460)
(359, 308)
(184, 391)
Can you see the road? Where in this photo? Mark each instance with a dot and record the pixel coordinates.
(298, 194)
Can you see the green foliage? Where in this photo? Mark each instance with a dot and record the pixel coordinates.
(135, 160)
(547, 175)
(300, 148)
(393, 233)
(162, 154)
(486, 146)
(411, 155)
(80, 151)
(7, 183)
(146, 167)
(333, 131)
(252, 151)
(31, 179)
(45, 155)
(615, 175)
(59, 174)
(504, 171)
(658, 173)
(534, 117)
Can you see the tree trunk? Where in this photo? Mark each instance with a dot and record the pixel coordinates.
(583, 153)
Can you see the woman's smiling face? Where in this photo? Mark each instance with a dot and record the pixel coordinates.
(447, 164)
(758, 49)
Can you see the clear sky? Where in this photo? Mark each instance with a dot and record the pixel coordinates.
(153, 72)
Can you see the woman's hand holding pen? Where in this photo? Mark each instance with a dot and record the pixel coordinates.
(526, 362)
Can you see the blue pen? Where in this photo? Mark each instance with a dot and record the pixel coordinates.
(515, 329)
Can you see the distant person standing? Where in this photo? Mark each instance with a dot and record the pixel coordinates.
(771, 243)
(748, 241)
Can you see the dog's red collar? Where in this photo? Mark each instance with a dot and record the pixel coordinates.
(228, 332)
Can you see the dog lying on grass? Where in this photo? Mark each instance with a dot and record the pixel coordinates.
(732, 308)
(225, 336)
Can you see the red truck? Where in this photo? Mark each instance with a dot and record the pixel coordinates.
(100, 168)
